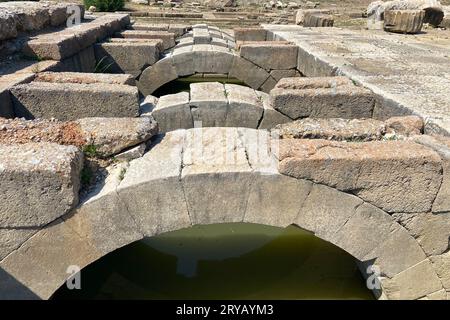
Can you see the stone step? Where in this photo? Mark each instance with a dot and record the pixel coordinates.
(404, 21)
(128, 55)
(71, 101)
(314, 20)
(68, 42)
(86, 78)
(168, 38)
(322, 98)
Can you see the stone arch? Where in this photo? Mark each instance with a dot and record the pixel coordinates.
(201, 58)
(172, 188)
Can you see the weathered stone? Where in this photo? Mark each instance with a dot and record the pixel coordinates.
(275, 200)
(334, 102)
(406, 125)
(271, 55)
(333, 129)
(280, 74)
(71, 101)
(315, 20)
(11, 239)
(413, 283)
(389, 259)
(412, 172)
(173, 112)
(40, 265)
(103, 218)
(183, 60)
(148, 105)
(66, 43)
(271, 117)
(245, 109)
(8, 25)
(39, 183)
(128, 57)
(111, 135)
(86, 78)
(268, 85)
(6, 106)
(432, 231)
(211, 59)
(156, 76)
(441, 264)
(300, 83)
(250, 34)
(326, 210)
(248, 72)
(209, 104)
(152, 188)
(168, 38)
(404, 21)
(133, 153)
(302, 14)
(442, 146)
(216, 175)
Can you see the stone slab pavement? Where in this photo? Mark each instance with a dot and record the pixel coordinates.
(409, 74)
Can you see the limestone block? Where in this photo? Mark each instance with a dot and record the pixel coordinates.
(442, 146)
(302, 14)
(271, 117)
(39, 183)
(41, 263)
(271, 55)
(86, 78)
(389, 259)
(212, 59)
(8, 25)
(313, 83)
(128, 57)
(441, 264)
(412, 172)
(318, 20)
(333, 129)
(147, 106)
(157, 75)
(431, 230)
(248, 72)
(183, 60)
(268, 85)
(413, 283)
(406, 125)
(133, 153)
(209, 104)
(103, 218)
(168, 38)
(216, 175)
(11, 239)
(112, 135)
(250, 34)
(404, 21)
(245, 109)
(201, 36)
(276, 200)
(280, 74)
(173, 112)
(152, 190)
(71, 101)
(340, 102)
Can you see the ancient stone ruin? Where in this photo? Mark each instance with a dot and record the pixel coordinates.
(342, 132)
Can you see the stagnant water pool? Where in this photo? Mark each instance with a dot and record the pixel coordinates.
(224, 261)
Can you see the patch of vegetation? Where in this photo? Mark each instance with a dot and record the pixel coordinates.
(105, 5)
(91, 151)
(102, 66)
(122, 173)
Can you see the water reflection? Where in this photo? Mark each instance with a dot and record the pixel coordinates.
(226, 261)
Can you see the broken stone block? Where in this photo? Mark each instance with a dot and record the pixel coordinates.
(39, 182)
(318, 20)
(271, 55)
(333, 97)
(403, 21)
(71, 101)
(173, 112)
(405, 126)
(367, 168)
(333, 129)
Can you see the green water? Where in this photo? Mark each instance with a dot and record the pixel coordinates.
(226, 261)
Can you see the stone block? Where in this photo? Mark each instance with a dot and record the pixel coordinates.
(39, 183)
(128, 57)
(209, 104)
(248, 72)
(271, 55)
(71, 101)
(173, 112)
(168, 38)
(245, 109)
(412, 172)
(6, 106)
(404, 21)
(271, 117)
(86, 78)
(155, 76)
(250, 34)
(314, 20)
